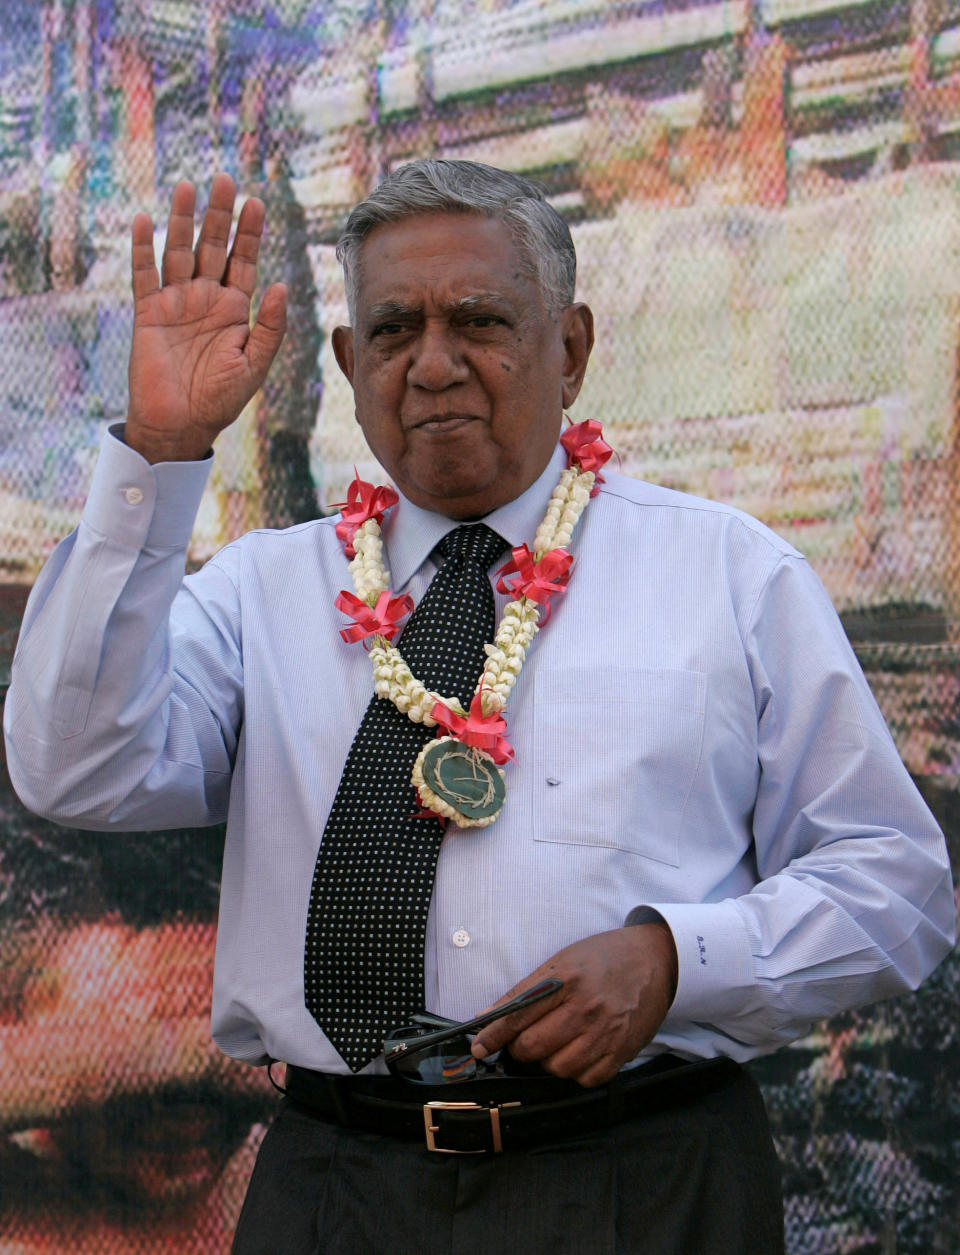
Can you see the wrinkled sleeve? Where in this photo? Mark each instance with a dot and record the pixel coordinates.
(108, 723)
(854, 899)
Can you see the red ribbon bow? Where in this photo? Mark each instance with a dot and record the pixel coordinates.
(363, 502)
(383, 619)
(482, 732)
(538, 581)
(586, 448)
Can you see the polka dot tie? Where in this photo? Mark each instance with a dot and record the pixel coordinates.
(366, 926)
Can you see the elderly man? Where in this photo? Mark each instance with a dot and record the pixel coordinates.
(667, 791)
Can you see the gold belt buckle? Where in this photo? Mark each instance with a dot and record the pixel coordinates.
(431, 1130)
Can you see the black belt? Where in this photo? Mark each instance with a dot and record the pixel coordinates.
(504, 1112)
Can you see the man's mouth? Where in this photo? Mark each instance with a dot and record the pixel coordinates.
(443, 423)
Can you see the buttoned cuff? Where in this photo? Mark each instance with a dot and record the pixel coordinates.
(143, 506)
(715, 973)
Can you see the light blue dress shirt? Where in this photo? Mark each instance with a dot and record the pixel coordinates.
(693, 735)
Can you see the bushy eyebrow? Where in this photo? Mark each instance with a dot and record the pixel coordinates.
(385, 311)
(388, 310)
(479, 299)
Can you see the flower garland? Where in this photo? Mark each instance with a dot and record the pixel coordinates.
(458, 776)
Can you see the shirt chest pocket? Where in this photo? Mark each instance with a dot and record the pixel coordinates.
(617, 752)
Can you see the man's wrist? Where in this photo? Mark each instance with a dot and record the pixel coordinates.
(155, 447)
(668, 949)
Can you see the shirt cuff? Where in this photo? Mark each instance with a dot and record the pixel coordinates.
(715, 972)
(143, 506)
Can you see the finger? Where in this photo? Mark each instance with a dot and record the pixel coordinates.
(267, 332)
(177, 264)
(578, 1062)
(501, 1032)
(601, 1072)
(242, 264)
(547, 1035)
(143, 264)
(210, 260)
(570, 1046)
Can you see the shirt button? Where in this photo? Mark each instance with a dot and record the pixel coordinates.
(461, 938)
(133, 496)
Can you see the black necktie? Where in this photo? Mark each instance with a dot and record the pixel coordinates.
(366, 926)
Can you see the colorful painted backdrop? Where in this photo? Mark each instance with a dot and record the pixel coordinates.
(765, 198)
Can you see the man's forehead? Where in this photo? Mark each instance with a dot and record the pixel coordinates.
(431, 222)
(462, 254)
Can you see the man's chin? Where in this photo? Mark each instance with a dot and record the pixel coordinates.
(464, 503)
(458, 488)
(467, 481)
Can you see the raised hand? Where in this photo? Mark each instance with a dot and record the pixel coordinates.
(195, 361)
(617, 988)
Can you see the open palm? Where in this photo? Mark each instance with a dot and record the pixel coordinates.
(195, 360)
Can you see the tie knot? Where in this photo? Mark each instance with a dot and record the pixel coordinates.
(472, 542)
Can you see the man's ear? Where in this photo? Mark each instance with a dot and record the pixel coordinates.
(343, 350)
(576, 325)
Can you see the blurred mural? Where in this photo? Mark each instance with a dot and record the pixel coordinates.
(765, 198)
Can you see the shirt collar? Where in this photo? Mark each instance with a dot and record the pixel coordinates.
(411, 533)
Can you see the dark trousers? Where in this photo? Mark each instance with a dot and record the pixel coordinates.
(697, 1179)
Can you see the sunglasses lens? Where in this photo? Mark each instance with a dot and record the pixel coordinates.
(438, 1065)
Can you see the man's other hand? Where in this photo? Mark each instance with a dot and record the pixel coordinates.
(195, 361)
(617, 988)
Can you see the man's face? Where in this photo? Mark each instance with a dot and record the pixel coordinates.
(459, 373)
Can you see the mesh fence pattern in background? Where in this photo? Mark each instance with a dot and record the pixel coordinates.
(765, 199)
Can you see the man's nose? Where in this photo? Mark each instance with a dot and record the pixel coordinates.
(438, 360)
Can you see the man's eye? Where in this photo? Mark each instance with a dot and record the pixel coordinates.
(388, 329)
(484, 320)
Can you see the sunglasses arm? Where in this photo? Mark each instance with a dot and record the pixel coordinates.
(543, 990)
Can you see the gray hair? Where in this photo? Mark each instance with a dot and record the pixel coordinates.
(437, 186)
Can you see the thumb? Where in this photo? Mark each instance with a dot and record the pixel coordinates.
(267, 332)
(501, 1032)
